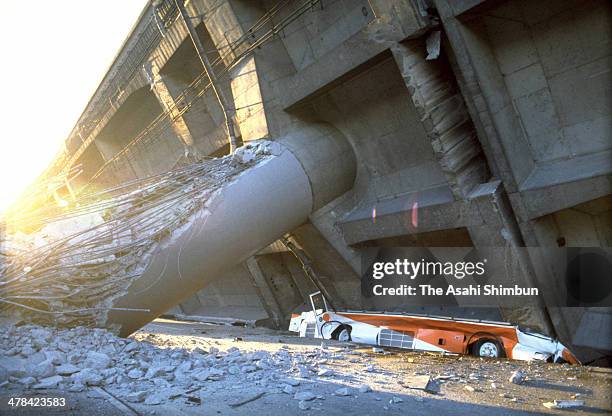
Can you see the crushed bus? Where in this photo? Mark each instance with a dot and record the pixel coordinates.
(428, 333)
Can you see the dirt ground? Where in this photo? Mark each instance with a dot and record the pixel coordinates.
(459, 384)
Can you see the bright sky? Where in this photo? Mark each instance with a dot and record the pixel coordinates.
(54, 55)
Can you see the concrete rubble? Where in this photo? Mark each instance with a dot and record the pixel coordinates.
(517, 377)
(82, 358)
(153, 369)
(68, 271)
(564, 404)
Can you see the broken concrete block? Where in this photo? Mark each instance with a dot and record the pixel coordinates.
(27, 381)
(518, 377)
(304, 396)
(292, 382)
(325, 372)
(67, 369)
(76, 388)
(73, 358)
(135, 374)
(248, 368)
(44, 370)
(417, 382)
(564, 404)
(27, 351)
(364, 389)
(41, 334)
(343, 391)
(88, 377)
(244, 400)
(153, 372)
(154, 399)
(97, 360)
(136, 397)
(132, 346)
(56, 357)
(49, 382)
(184, 366)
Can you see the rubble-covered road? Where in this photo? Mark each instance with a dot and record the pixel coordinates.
(176, 368)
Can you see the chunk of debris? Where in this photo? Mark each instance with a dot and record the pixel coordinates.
(44, 370)
(518, 377)
(27, 381)
(67, 370)
(247, 399)
(49, 382)
(302, 405)
(325, 372)
(132, 346)
(564, 404)
(304, 396)
(153, 372)
(343, 391)
(87, 377)
(364, 389)
(194, 400)
(418, 383)
(56, 357)
(76, 388)
(378, 350)
(292, 382)
(154, 399)
(97, 360)
(136, 396)
(135, 374)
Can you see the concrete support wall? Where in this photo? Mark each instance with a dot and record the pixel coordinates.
(534, 80)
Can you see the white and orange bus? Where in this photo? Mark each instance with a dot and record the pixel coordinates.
(427, 333)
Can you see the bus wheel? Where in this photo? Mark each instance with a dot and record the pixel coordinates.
(487, 348)
(343, 335)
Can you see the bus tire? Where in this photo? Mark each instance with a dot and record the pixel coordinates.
(488, 348)
(343, 333)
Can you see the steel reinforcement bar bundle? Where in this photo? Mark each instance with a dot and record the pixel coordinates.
(66, 271)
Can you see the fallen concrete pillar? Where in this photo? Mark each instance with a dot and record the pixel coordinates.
(314, 166)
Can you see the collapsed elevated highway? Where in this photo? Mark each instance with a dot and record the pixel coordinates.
(395, 123)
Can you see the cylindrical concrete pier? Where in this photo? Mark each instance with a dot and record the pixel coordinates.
(315, 165)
